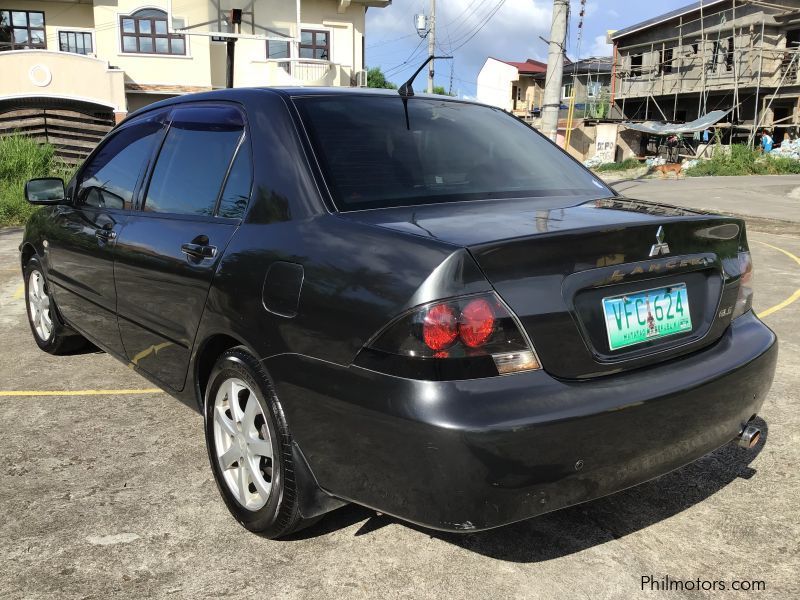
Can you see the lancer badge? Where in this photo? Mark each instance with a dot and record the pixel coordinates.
(660, 247)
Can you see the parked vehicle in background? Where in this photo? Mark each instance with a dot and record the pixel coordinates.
(416, 304)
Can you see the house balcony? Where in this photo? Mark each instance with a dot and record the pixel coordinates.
(304, 72)
(62, 77)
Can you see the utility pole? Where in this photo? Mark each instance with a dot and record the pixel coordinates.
(431, 43)
(555, 69)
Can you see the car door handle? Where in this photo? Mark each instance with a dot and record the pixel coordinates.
(199, 250)
(105, 234)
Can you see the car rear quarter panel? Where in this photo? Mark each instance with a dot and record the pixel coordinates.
(356, 279)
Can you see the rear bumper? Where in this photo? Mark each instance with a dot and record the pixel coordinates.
(476, 454)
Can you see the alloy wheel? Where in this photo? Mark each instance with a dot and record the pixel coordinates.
(39, 305)
(243, 444)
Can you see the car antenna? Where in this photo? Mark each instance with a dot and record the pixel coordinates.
(407, 89)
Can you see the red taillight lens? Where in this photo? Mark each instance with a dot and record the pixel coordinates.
(439, 327)
(467, 333)
(476, 324)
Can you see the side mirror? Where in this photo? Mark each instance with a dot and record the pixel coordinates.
(46, 190)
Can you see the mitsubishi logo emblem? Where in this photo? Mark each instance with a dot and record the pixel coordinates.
(660, 247)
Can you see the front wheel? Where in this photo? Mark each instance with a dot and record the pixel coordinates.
(50, 333)
(249, 446)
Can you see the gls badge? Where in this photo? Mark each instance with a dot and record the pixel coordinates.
(660, 247)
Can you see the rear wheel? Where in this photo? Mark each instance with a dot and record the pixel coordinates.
(249, 446)
(50, 333)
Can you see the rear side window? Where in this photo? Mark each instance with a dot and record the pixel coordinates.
(109, 178)
(374, 154)
(236, 194)
(194, 159)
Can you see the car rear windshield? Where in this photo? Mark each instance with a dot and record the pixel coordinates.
(445, 151)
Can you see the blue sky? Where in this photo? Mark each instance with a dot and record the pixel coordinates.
(511, 34)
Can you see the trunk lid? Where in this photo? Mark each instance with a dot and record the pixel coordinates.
(554, 263)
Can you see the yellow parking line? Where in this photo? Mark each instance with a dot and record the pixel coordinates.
(77, 392)
(793, 298)
(786, 252)
(18, 293)
(777, 307)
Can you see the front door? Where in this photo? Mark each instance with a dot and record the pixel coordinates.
(169, 250)
(81, 249)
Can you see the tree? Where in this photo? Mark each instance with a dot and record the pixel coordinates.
(376, 79)
(439, 89)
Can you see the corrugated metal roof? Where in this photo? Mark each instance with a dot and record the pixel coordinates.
(665, 17)
(528, 67)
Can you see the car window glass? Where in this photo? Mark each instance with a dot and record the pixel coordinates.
(109, 178)
(234, 198)
(377, 151)
(194, 158)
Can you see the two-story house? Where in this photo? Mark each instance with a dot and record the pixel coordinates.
(71, 68)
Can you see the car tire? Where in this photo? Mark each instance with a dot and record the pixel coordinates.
(260, 491)
(49, 331)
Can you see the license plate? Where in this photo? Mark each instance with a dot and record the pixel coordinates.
(644, 316)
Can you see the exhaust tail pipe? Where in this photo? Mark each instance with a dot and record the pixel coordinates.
(748, 437)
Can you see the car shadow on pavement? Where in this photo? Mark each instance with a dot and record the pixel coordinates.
(570, 530)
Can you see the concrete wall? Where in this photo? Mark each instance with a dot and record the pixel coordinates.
(46, 74)
(193, 69)
(694, 65)
(495, 80)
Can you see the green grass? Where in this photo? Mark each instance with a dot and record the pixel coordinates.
(743, 160)
(628, 163)
(22, 158)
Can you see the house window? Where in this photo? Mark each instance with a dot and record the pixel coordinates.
(594, 88)
(146, 32)
(277, 49)
(77, 42)
(636, 65)
(20, 29)
(665, 60)
(315, 44)
(566, 91)
(729, 55)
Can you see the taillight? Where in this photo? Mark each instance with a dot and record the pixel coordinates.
(473, 336)
(439, 327)
(744, 300)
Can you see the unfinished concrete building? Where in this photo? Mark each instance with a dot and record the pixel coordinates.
(716, 54)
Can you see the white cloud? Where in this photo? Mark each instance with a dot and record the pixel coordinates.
(600, 47)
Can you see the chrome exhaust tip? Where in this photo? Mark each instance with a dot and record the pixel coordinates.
(748, 437)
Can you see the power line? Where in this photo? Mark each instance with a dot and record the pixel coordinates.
(493, 12)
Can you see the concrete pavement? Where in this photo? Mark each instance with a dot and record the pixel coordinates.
(762, 197)
(110, 496)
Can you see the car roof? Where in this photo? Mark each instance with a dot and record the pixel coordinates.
(248, 93)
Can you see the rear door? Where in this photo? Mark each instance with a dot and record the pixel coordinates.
(81, 249)
(167, 254)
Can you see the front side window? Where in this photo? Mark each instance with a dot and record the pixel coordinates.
(193, 161)
(77, 42)
(22, 29)
(109, 178)
(146, 32)
(315, 44)
(446, 151)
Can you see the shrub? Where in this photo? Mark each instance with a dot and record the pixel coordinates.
(628, 163)
(22, 158)
(743, 160)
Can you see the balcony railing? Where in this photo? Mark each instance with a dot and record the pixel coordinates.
(305, 72)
